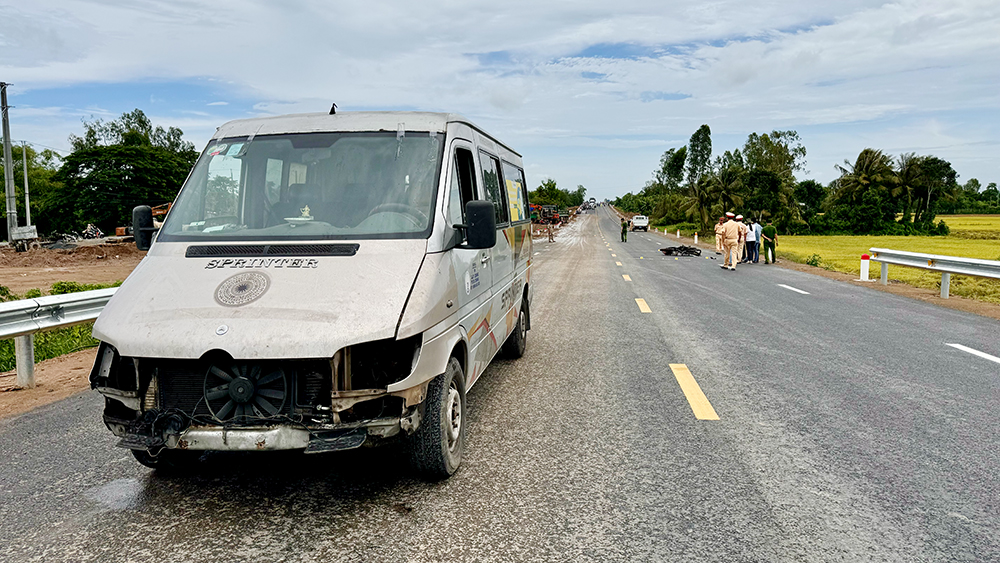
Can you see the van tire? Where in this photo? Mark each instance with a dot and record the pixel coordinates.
(517, 342)
(167, 460)
(436, 448)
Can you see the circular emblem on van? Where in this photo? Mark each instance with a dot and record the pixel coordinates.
(242, 289)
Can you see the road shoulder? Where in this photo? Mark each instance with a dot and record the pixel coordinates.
(56, 378)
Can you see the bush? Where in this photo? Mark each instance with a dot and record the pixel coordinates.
(687, 229)
(63, 287)
(814, 260)
(6, 295)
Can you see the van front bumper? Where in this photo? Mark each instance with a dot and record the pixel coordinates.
(313, 439)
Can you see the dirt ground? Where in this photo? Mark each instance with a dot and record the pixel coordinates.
(55, 380)
(40, 268)
(67, 375)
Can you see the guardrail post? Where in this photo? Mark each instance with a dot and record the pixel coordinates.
(24, 355)
(885, 274)
(945, 284)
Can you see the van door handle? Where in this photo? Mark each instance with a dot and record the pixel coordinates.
(485, 259)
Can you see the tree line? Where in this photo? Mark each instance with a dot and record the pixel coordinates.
(875, 194)
(548, 193)
(113, 167)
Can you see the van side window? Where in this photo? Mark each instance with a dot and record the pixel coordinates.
(491, 181)
(463, 187)
(517, 193)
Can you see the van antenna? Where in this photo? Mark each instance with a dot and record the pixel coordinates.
(333, 109)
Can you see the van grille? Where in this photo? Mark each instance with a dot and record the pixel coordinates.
(227, 250)
(180, 384)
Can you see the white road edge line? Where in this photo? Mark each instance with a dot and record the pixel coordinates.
(793, 289)
(974, 352)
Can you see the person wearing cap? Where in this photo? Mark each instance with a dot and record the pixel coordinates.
(730, 242)
(741, 251)
(769, 236)
(719, 235)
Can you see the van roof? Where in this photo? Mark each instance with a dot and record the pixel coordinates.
(345, 121)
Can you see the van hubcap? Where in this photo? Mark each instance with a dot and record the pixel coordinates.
(454, 416)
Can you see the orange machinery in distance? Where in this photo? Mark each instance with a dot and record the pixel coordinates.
(158, 211)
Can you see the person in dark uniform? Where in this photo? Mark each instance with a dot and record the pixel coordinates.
(624, 230)
(770, 236)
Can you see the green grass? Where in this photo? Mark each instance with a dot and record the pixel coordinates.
(971, 237)
(52, 343)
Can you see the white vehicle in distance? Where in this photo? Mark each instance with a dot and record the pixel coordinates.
(322, 282)
(640, 222)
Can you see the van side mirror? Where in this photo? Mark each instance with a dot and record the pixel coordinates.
(142, 227)
(481, 221)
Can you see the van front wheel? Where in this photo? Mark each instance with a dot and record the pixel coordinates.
(517, 342)
(436, 447)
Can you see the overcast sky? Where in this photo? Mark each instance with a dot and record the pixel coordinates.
(589, 92)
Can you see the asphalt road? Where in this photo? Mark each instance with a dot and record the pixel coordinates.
(847, 430)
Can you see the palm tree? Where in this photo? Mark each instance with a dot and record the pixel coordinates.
(909, 176)
(698, 199)
(873, 168)
(728, 187)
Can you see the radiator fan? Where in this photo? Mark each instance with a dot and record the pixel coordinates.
(241, 392)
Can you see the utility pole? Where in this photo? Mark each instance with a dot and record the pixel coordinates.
(8, 169)
(27, 200)
(24, 346)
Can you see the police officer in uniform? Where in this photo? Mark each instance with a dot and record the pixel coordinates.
(719, 235)
(730, 242)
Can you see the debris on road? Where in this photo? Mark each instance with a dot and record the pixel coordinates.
(681, 251)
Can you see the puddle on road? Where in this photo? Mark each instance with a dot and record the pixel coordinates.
(120, 494)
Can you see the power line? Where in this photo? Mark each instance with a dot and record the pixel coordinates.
(41, 145)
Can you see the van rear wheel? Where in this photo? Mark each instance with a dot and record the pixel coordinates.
(436, 448)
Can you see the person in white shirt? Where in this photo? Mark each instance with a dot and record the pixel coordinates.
(751, 242)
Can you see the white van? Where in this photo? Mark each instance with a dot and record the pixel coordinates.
(322, 282)
(640, 222)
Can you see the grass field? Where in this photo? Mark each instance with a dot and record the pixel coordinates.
(972, 236)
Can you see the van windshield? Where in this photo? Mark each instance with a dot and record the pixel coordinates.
(309, 186)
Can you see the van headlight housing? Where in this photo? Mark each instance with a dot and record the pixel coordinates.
(376, 364)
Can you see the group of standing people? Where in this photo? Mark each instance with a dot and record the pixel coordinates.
(741, 242)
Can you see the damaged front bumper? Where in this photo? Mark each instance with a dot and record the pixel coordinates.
(312, 439)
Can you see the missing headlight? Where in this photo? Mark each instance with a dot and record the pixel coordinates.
(377, 364)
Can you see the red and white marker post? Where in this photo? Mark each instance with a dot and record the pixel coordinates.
(865, 259)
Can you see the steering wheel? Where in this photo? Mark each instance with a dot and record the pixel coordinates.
(418, 217)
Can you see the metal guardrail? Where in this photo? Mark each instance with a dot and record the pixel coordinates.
(947, 265)
(21, 319)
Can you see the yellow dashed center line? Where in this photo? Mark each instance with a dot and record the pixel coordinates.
(699, 402)
(626, 277)
(643, 308)
(614, 255)
(618, 263)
